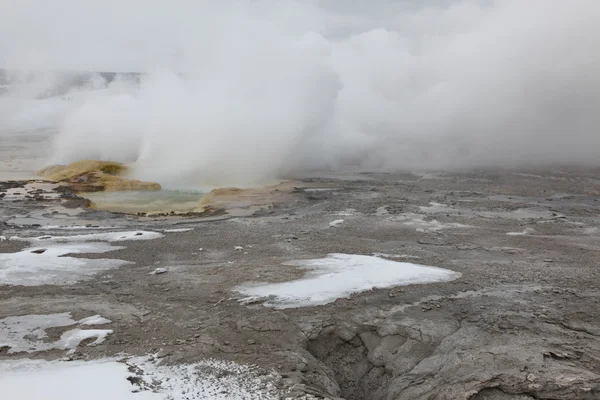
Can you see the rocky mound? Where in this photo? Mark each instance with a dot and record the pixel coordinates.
(94, 176)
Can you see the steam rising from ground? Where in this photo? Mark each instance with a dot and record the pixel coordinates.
(239, 92)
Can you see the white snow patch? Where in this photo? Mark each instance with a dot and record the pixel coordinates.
(206, 380)
(106, 379)
(434, 208)
(106, 237)
(339, 275)
(525, 232)
(27, 333)
(76, 380)
(75, 227)
(94, 320)
(49, 265)
(335, 223)
(178, 230)
(71, 339)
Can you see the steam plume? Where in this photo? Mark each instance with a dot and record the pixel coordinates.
(241, 92)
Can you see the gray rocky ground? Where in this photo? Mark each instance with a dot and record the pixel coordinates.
(522, 322)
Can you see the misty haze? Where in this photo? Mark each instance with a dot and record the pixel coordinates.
(270, 88)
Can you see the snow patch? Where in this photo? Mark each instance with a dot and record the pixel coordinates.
(339, 275)
(178, 230)
(71, 339)
(525, 232)
(27, 333)
(94, 320)
(75, 380)
(206, 380)
(49, 265)
(140, 378)
(75, 227)
(106, 237)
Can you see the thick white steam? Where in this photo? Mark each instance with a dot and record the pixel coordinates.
(244, 91)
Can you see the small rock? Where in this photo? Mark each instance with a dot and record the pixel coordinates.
(164, 353)
(548, 260)
(159, 271)
(531, 378)
(251, 341)
(335, 223)
(239, 248)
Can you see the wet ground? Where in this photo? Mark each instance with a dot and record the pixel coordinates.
(521, 322)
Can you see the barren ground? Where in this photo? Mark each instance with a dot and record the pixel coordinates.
(522, 322)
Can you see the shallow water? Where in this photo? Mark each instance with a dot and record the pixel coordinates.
(155, 201)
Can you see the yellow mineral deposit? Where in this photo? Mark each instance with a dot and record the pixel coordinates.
(94, 176)
(231, 198)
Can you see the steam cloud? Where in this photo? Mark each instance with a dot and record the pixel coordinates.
(243, 91)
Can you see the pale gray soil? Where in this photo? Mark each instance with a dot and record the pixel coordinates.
(523, 321)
